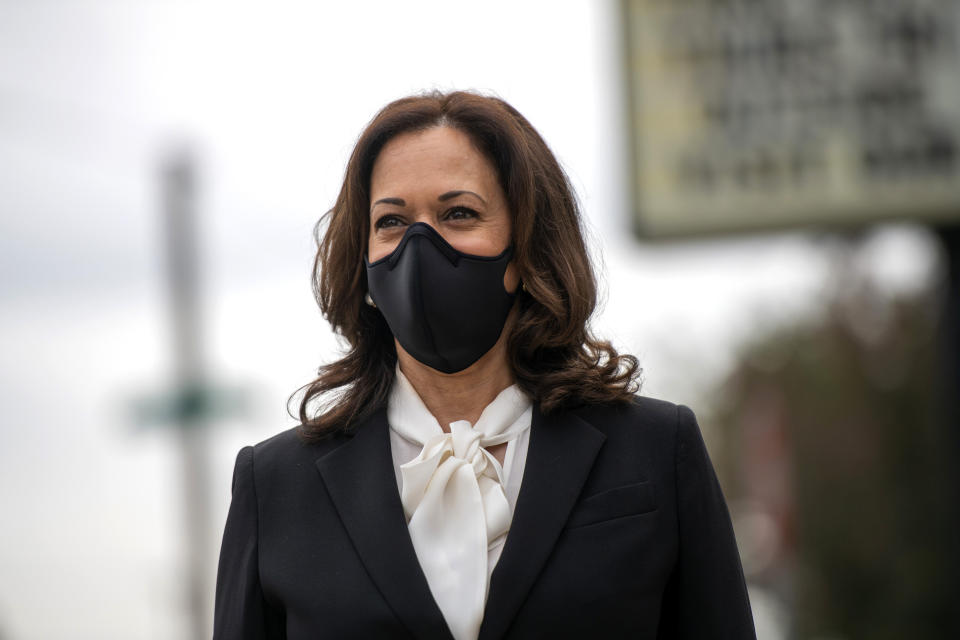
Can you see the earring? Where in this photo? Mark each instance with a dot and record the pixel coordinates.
(370, 301)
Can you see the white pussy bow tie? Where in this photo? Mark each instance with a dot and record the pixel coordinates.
(453, 497)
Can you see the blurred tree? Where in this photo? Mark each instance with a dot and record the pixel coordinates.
(829, 429)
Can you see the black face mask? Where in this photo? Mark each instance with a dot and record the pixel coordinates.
(444, 307)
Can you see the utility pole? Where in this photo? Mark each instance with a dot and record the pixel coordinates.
(194, 403)
(950, 399)
(190, 416)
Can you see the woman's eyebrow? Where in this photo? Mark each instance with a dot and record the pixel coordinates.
(453, 194)
(400, 202)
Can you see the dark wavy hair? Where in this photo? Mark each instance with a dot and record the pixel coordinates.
(553, 356)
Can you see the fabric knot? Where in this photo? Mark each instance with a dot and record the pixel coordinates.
(453, 497)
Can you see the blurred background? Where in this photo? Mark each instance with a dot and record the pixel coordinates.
(781, 181)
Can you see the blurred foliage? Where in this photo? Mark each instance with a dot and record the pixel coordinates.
(863, 544)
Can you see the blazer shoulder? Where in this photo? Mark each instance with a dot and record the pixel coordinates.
(290, 446)
(644, 422)
(641, 412)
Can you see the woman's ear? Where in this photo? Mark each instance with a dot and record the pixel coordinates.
(511, 278)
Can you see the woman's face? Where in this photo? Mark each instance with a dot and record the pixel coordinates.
(438, 177)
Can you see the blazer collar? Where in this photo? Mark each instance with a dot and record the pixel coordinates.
(360, 480)
(561, 454)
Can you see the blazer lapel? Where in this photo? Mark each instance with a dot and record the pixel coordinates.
(562, 451)
(360, 479)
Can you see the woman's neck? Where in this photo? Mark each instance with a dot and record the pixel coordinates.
(462, 395)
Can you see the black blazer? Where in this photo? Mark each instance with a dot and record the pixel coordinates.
(620, 530)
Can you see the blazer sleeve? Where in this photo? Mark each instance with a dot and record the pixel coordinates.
(707, 595)
(240, 611)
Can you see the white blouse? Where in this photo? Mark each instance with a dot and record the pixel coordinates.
(457, 497)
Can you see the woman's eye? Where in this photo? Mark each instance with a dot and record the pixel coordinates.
(388, 221)
(460, 213)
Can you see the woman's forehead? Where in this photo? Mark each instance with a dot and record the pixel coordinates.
(440, 159)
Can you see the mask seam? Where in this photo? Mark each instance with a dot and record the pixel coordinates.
(418, 284)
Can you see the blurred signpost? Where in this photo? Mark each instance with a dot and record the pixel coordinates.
(766, 114)
(193, 403)
(777, 114)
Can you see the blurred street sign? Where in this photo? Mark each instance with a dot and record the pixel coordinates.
(766, 114)
(191, 405)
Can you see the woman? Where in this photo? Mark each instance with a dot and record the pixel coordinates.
(484, 468)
